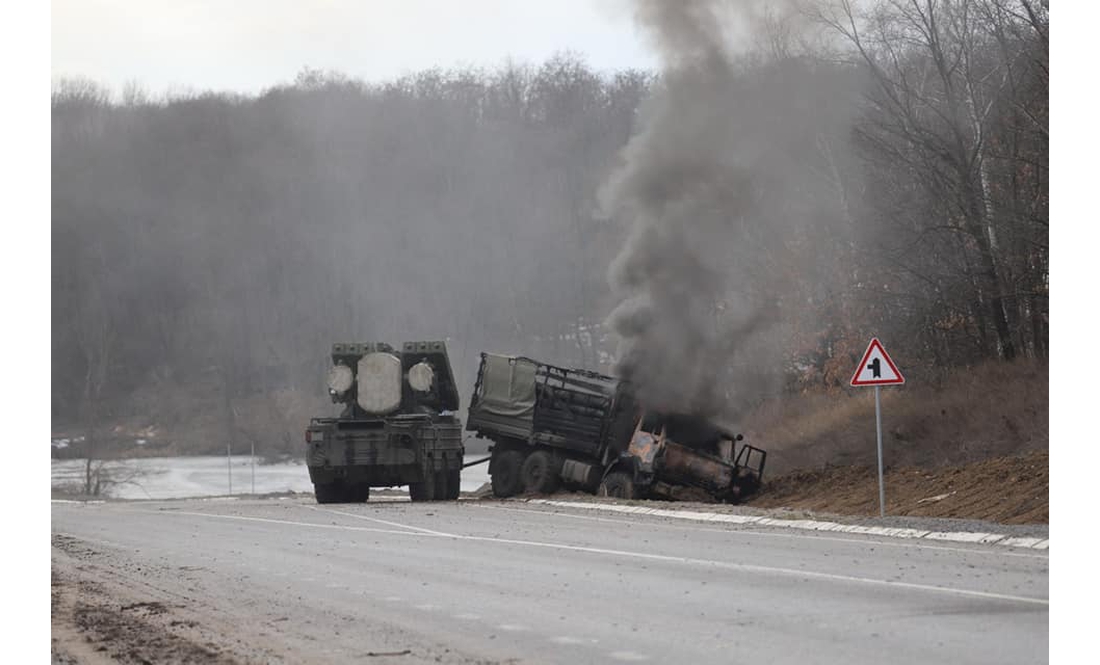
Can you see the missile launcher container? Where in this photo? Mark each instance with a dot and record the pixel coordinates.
(397, 426)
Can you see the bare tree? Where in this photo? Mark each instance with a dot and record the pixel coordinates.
(95, 337)
(945, 73)
(207, 248)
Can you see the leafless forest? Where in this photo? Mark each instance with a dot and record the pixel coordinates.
(838, 174)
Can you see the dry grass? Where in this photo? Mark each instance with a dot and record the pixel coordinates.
(1010, 490)
(992, 410)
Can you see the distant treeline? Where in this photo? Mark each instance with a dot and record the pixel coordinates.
(207, 249)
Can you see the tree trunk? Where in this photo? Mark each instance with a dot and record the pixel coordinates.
(981, 230)
(1005, 347)
(1038, 346)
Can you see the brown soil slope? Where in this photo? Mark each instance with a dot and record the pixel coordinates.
(1010, 490)
(972, 414)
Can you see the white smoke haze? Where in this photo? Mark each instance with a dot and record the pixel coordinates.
(720, 191)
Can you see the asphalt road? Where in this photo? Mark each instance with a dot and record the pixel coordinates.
(486, 581)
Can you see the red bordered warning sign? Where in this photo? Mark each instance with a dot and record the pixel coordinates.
(876, 368)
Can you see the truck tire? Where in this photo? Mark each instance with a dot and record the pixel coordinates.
(746, 484)
(539, 473)
(618, 485)
(506, 480)
(328, 492)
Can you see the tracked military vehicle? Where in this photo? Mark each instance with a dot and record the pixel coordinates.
(397, 426)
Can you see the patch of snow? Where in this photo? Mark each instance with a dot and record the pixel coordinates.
(207, 476)
(938, 497)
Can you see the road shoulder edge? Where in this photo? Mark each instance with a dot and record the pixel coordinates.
(984, 538)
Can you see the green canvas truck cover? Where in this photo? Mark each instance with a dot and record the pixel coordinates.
(508, 387)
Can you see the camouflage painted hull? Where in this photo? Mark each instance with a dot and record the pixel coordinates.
(382, 452)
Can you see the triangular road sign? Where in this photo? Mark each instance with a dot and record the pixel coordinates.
(876, 368)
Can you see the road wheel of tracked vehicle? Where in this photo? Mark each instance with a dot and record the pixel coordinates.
(424, 491)
(454, 484)
(359, 493)
(618, 485)
(506, 478)
(539, 473)
(442, 490)
(328, 492)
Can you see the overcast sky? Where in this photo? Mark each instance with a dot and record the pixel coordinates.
(248, 45)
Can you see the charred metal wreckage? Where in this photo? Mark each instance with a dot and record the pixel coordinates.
(552, 425)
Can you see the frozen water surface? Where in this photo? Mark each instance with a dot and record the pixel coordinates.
(183, 477)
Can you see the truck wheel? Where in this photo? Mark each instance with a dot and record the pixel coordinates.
(327, 492)
(746, 484)
(506, 479)
(618, 485)
(539, 473)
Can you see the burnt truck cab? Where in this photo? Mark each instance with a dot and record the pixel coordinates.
(668, 453)
(397, 427)
(553, 426)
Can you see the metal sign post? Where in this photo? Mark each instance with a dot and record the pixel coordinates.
(877, 369)
(878, 431)
(229, 465)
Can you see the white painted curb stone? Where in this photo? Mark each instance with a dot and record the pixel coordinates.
(810, 525)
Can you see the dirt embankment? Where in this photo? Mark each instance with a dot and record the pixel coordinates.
(969, 444)
(1009, 490)
(970, 415)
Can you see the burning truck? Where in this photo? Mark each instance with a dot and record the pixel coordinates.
(552, 426)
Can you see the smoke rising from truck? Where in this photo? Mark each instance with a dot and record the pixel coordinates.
(715, 188)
